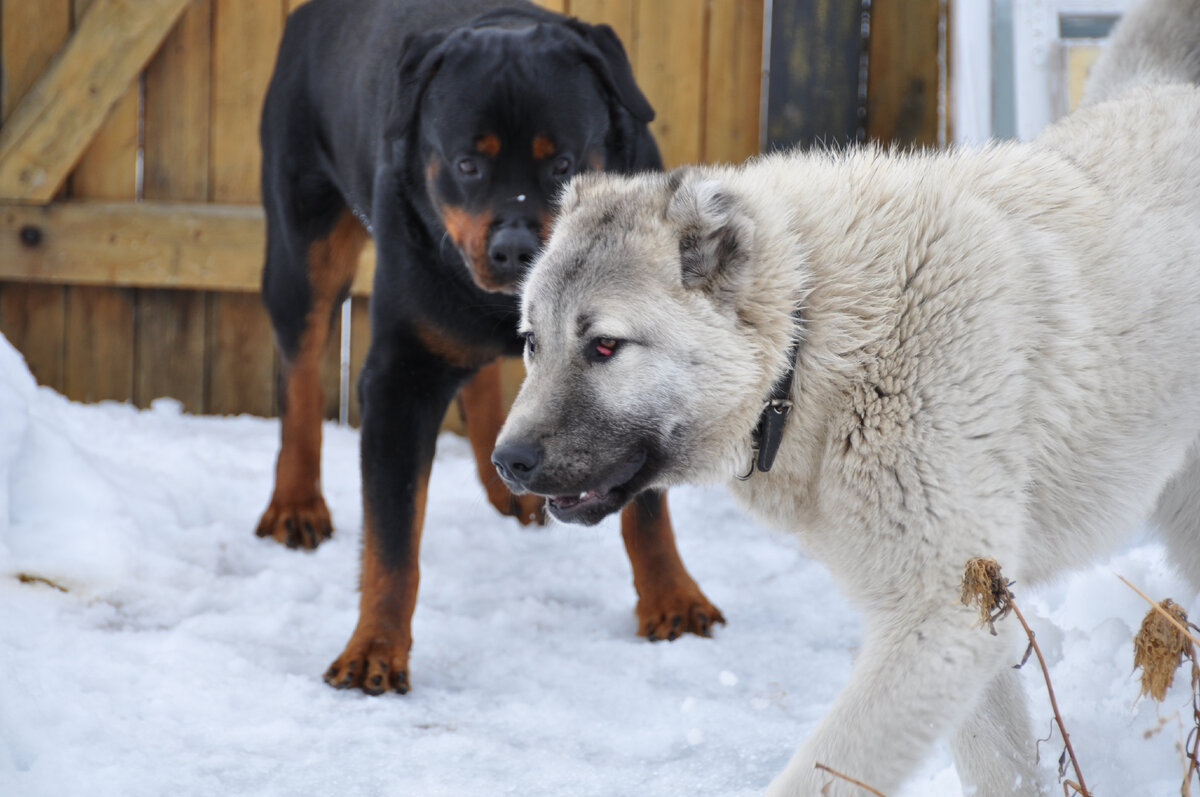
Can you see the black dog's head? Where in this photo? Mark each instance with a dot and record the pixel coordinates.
(498, 114)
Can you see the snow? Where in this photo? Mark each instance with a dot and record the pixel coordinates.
(186, 655)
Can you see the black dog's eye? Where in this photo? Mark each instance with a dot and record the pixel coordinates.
(601, 348)
(561, 166)
(468, 167)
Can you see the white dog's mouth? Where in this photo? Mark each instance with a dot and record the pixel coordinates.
(590, 506)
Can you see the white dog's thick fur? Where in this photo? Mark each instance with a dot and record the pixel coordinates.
(1000, 356)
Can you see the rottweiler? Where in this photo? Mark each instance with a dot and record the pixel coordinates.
(441, 129)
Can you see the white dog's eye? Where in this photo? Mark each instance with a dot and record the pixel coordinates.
(530, 345)
(601, 348)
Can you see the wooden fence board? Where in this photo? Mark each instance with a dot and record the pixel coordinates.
(618, 14)
(902, 73)
(169, 347)
(30, 36)
(246, 34)
(32, 317)
(670, 49)
(99, 367)
(152, 244)
(241, 368)
(177, 110)
(816, 46)
(48, 131)
(734, 77)
(98, 350)
(171, 335)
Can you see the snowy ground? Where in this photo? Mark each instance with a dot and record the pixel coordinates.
(186, 655)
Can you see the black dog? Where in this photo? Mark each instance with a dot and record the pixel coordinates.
(443, 129)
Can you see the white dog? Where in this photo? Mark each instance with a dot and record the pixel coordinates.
(996, 353)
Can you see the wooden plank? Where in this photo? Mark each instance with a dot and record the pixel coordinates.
(246, 35)
(171, 334)
(176, 114)
(554, 5)
(619, 14)
(169, 346)
(812, 98)
(734, 80)
(98, 350)
(156, 244)
(671, 52)
(53, 124)
(32, 317)
(142, 244)
(241, 375)
(108, 167)
(30, 35)
(98, 342)
(902, 73)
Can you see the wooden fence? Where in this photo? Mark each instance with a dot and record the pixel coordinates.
(131, 238)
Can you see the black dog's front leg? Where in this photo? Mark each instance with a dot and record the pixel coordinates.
(404, 393)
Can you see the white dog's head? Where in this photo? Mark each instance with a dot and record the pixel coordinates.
(645, 360)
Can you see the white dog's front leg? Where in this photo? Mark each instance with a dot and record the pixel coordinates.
(993, 747)
(918, 677)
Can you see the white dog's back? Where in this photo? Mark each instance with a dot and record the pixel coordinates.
(1158, 42)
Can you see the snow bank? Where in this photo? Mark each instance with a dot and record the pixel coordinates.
(185, 656)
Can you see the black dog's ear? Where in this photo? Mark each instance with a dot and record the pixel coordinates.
(607, 57)
(422, 56)
(715, 234)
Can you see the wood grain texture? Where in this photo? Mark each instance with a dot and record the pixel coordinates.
(146, 244)
(171, 333)
(902, 73)
(734, 80)
(242, 367)
(671, 52)
(98, 348)
(57, 118)
(107, 169)
(149, 244)
(98, 340)
(32, 317)
(169, 347)
(246, 34)
(618, 14)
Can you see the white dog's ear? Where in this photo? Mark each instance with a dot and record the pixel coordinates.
(714, 232)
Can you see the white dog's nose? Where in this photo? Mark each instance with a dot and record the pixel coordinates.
(516, 462)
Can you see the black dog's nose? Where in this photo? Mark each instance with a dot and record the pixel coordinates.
(516, 462)
(512, 248)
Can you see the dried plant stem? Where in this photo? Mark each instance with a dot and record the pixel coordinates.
(1182, 629)
(1193, 754)
(1079, 786)
(848, 779)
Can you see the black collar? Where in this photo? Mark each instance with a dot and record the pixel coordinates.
(771, 423)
